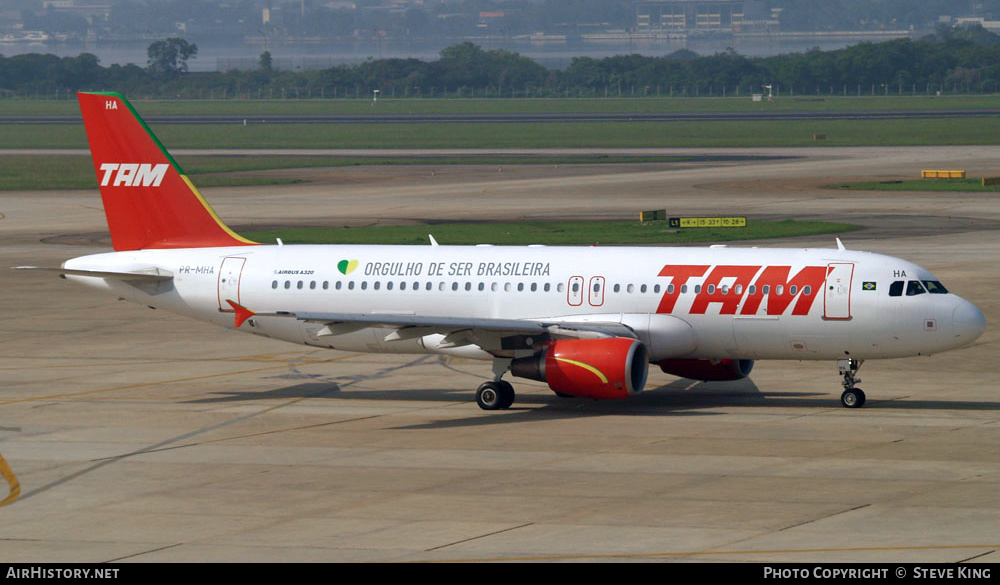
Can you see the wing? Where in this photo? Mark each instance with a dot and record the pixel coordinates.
(492, 335)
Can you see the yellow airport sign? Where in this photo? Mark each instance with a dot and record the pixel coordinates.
(708, 222)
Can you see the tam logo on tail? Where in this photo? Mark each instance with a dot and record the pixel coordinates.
(132, 174)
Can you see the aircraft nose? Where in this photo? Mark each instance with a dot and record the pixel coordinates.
(968, 321)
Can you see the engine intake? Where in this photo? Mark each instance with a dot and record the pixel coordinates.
(606, 368)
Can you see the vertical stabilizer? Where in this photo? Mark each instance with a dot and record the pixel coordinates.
(148, 200)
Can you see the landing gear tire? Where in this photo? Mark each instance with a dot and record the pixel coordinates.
(853, 398)
(497, 395)
(507, 394)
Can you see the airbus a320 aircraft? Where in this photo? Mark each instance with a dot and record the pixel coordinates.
(587, 321)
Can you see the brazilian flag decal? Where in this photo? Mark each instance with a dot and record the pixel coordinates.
(868, 286)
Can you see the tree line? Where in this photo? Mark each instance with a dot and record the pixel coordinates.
(951, 60)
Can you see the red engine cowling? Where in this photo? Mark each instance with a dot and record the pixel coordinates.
(707, 370)
(614, 367)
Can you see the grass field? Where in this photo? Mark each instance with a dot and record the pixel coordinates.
(388, 105)
(550, 233)
(734, 133)
(974, 185)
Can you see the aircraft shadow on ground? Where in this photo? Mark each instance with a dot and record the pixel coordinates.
(677, 398)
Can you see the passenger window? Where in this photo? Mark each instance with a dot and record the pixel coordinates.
(402, 285)
(656, 289)
(388, 285)
(326, 284)
(792, 290)
(547, 287)
(468, 286)
(642, 288)
(711, 289)
(807, 290)
(288, 284)
(559, 287)
(350, 285)
(312, 285)
(274, 284)
(896, 289)
(752, 290)
(339, 284)
(482, 286)
(913, 288)
(364, 285)
(630, 288)
(618, 288)
(520, 286)
(299, 285)
(670, 288)
(534, 286)
(697, 289)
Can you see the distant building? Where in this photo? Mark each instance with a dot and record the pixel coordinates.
(704, 16)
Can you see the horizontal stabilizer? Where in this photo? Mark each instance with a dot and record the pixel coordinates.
(151, 274)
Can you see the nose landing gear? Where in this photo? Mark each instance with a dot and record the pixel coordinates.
(852, 397)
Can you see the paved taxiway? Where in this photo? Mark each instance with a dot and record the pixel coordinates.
(137, 435)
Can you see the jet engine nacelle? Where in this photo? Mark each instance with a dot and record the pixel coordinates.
(707, 370)
(612, 367)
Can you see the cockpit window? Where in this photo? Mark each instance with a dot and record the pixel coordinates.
(896, 289)
(935, 288)
(913, 288)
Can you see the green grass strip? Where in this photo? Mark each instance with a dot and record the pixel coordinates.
(973, 185)
(565, 233)
(611, 104)
(735, 133)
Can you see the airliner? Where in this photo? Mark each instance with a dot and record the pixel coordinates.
(587, 321)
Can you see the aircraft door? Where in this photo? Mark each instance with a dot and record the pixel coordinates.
(574, 292)
(837, 293)
(596, 291)
(230, 274)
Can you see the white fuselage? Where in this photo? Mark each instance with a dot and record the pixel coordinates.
(750, 303)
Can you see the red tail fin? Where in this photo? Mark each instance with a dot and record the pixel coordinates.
(148, 200)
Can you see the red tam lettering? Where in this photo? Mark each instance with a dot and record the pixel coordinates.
(712, 289)
(779, 288)
(679, 276)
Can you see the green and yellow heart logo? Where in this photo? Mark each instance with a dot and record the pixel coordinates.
(347, 266)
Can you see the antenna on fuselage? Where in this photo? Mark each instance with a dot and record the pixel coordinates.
(840, 245)
(433, 241)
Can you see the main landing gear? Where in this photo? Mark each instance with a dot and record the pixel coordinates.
(496, 395)
(852, 397)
